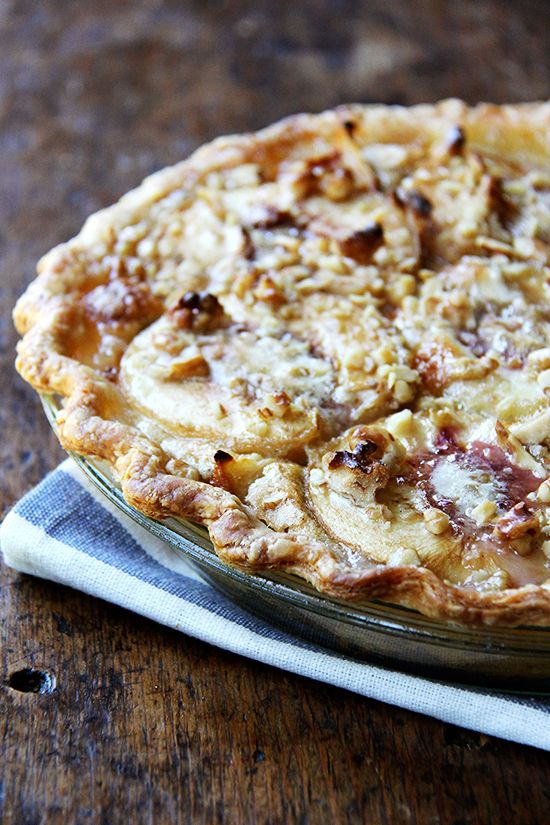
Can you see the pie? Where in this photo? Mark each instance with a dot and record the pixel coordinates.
(329, 342)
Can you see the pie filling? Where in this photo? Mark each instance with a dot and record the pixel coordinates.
(347, 328)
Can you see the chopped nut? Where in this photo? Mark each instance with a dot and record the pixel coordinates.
(545, 547)
(403, 392)
(410, 304)
(316, 476)
(436, 520)
(459, 299)
(268, 291)
(405, 286)
(539, 358)
(146, 248)
(277, 404)
(198, 310)
(456, 140)
(362, 245)
(334, 263)
(247, 174)
(483, 512)
(517, 523)
(190, 363)
(361, 458)
(384, 354)
(534, 430)
(338, 184)
(400, 424)
(404, 373)
(419, 203)
(354, 357)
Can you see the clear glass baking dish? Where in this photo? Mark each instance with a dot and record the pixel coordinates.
(516, 659)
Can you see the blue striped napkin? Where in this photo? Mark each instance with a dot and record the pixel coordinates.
(64, 530)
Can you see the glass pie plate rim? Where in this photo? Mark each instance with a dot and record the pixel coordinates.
(517, 659)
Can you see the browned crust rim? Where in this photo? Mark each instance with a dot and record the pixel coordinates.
(239, 537)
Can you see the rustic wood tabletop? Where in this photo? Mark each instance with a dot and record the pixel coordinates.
(146, 725)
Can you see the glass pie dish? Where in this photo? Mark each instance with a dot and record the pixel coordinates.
(515, 659)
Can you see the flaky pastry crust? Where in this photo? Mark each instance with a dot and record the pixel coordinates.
(329, 343)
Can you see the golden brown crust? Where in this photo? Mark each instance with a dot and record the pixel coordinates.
(289, 392)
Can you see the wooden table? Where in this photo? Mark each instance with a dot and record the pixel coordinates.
(146, 725)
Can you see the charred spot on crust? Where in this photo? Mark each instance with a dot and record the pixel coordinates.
(420, 204)
(414, 200)
(110, 373)
(361, 458)
(221, 457)
(222, 463)
(317, 167)
(456, 140)
(361, 245)
(314, 171)
(327, 176)
(398, 198)
(499, 202)
(350, 126)
(248, 248)
(275, 218)
(191, 300)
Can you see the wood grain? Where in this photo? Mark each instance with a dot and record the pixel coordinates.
(146, 725)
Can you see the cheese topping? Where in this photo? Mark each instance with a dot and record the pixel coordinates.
(347, 328)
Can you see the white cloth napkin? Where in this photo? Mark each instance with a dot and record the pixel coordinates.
(64, 530)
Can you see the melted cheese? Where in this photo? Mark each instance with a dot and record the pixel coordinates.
(466, 488)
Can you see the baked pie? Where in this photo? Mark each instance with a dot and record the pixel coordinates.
(329, 342)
